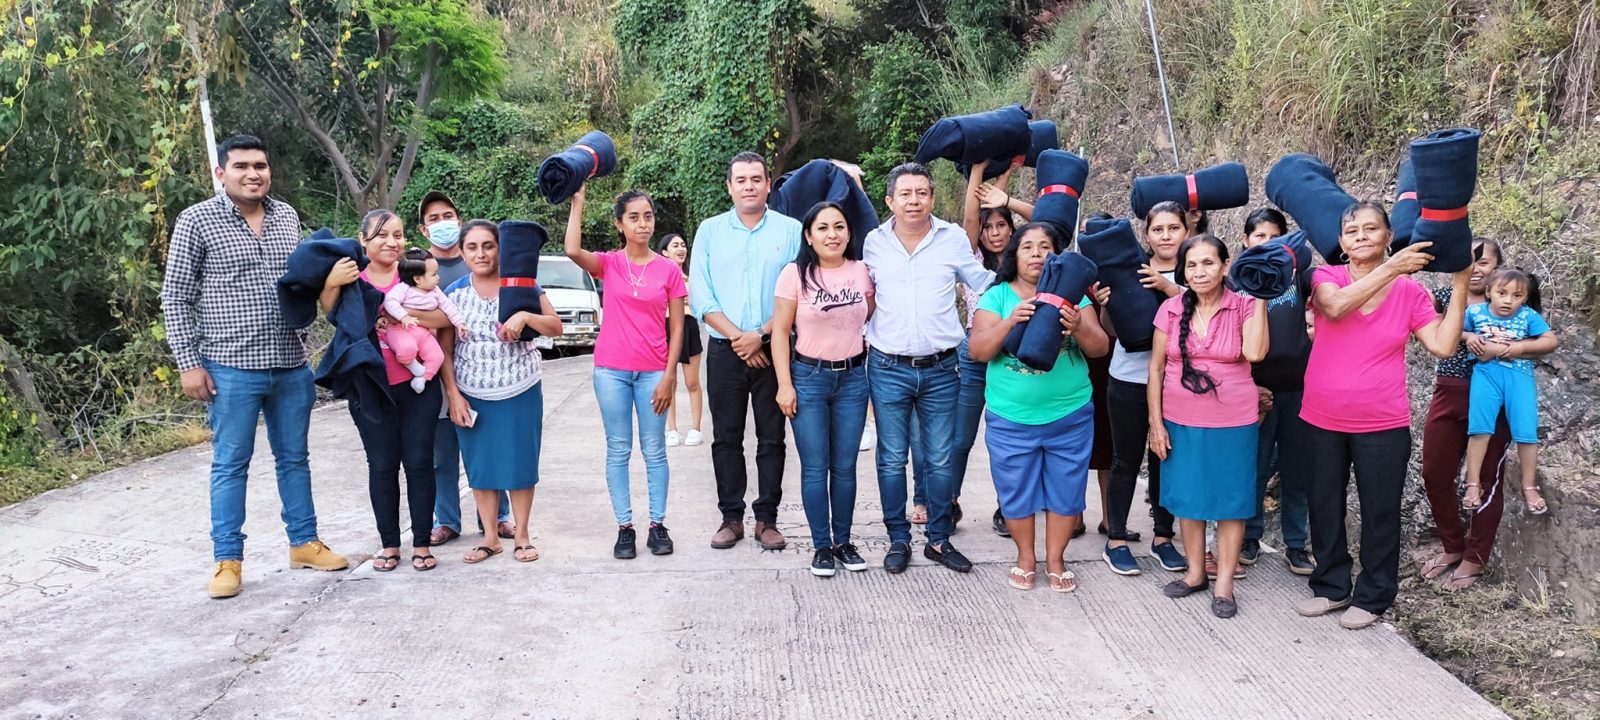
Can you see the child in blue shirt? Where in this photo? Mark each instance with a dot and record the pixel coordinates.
(1504, 332)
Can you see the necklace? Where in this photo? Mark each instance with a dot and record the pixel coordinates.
(633, 280)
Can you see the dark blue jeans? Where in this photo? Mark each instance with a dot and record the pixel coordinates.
(832, 412)
(1283, 435)
(900, 393)
(969, 411)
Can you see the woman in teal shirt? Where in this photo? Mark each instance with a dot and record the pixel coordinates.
(1040, 424)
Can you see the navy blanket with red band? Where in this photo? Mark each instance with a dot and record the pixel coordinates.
(1115, 250)
(521, 241)
(1061, 176)
(1267, 271)
(1446, 167)
(1065, 279)
(820, 180)
(1403, 215)
(1043, 137)
(1219, 187)
(978, 137)
(561, 174)
(1304, 187)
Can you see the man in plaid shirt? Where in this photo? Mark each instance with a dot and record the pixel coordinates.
(227, 334)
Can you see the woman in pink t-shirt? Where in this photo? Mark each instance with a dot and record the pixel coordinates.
(825, 297)
(634, 357)
(1203, 412)
(1357, 410)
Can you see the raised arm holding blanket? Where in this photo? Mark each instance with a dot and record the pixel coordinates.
(1219, 187)
(971, 139)
(1304, 187)
(1446, 167)
(561, 174)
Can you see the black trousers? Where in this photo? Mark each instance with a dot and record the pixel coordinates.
(733, 388)
(1380, 460)
(403, 438)
(1129, 411)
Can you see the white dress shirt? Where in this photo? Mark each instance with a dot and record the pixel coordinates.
(916, 291)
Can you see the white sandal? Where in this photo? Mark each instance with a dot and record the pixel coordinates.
(1021, 579)
(1064, 582)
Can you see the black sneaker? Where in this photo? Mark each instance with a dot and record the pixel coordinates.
(822, 562)
(659, 542)
(624, 549)
(1300, 562)
(1249, 552)
(849, 558)
(1000, 525)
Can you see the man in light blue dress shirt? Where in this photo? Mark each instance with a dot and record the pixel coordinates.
(733, 269)
(916, 261)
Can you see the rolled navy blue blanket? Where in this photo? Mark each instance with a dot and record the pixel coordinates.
(1115, 250)
(1446, 167)
(1061, 176)
(1268, 270)
(1066, 278)
(1304, 187)
(561, 174)
(520, 244)
(1043, 137)
(821, 180)
(1403, 214)
(352, 366)
(1219, 187)
(978, 137)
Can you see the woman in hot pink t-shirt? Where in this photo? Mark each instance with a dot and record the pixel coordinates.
(1203, 412)
(1357, 409)
(634, 357)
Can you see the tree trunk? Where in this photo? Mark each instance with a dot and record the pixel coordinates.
(19, 385)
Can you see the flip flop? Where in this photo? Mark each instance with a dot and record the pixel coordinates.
(1469, 503)
(1434, 567)
(1021, 579)
(1063, 582)
(1536, 505)
(442, 535)
(488, 552)
(919, 516)
(517, 553)
(1469, 581)
(385, 563)
(424, 563)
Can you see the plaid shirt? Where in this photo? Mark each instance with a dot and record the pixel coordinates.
(220, 296)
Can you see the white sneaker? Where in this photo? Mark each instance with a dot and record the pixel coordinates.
(869, 437)
(418, 383)
(693, 438)
(672, 438)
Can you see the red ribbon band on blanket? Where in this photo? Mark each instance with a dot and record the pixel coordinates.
(518, 282)
(1194, 193)
(1407, 195)
(1294, 262)
(1444, 215)
(1048, 189)
(1055, 300)
(594, 155)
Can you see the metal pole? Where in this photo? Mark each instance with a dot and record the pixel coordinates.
(211, 135)
(1166, 104)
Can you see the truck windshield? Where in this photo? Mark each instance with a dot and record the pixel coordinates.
(562, 274)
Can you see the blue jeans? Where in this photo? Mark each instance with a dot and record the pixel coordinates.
(969, 411)
(285, 396)
(623, 395)
(447, 480)
(832, 413)
(1283, 435)
(899, 394)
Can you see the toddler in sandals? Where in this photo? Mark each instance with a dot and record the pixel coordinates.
(1499, 331)
(412, 344)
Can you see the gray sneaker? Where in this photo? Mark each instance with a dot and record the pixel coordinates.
(1318, 606)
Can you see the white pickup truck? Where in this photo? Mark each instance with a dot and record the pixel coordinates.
(576, 299)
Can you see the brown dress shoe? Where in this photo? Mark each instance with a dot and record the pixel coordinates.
(506, 530)
(731, 532)
(770, 537)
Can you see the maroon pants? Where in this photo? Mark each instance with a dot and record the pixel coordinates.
(1444, 447)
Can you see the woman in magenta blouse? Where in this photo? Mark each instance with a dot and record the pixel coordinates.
(1358, 411)
(1203, 412)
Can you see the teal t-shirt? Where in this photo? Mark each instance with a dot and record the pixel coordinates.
(1022, 394)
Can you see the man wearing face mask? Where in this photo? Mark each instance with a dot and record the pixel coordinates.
(441, 225)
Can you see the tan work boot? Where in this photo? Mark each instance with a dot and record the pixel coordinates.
(770, 537)
(727, 535)
(316, 556)
(225, 581)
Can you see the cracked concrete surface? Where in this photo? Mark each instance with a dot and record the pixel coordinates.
(105, 616)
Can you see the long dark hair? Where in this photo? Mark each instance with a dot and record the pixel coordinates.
(1008, 256)
(1530, 281)
(480, 223)
(664, 241)
(372, 221)
(991, 260)
(1194, 379)
(1267, 215)
(807, 261)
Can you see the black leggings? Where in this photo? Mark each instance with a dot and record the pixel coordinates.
(1380, 460)
(403, 437)
(1129, 411)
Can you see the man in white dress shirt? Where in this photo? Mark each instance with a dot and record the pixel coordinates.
(916, 260)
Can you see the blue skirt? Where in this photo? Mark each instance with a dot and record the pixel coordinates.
(1040, 467)
(1210, 473)
(501, 449)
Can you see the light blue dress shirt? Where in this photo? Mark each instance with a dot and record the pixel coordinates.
(734, 269)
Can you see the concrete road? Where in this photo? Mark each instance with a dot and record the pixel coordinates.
(104, 615)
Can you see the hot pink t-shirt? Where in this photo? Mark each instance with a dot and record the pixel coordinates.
(633, 337)
(831, 311)
(1220, 354)
(1356, 379)
(397, 373)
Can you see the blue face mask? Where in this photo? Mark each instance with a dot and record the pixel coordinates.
(444, 233)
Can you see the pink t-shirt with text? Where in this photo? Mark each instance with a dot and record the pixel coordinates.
(633, 337)
(1356, 379)
(1220, 354)
(831, 311)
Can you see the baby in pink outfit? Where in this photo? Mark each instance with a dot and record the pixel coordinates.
(412, 344)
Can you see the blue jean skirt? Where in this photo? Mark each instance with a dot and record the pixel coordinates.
(1210, 473)
(1040, 467)
(501, 449)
